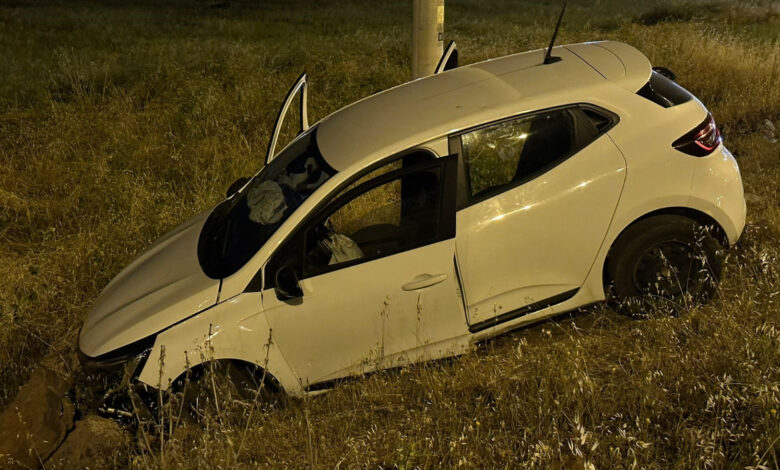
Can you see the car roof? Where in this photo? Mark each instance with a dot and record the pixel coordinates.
(424, 109)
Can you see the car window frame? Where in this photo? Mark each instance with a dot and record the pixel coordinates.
(448, 190)
(464, 197)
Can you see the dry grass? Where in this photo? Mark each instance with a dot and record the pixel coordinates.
(119, 120)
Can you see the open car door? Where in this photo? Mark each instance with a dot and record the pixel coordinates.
(449, 60)
(300, 85)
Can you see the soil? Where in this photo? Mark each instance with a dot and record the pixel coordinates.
(41, 427)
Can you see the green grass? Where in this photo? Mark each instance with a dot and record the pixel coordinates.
(119, 120)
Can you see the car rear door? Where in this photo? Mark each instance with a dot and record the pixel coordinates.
(377, 276)
(536, 195)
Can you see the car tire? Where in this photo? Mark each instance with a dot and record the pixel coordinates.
(664, 257)
(234, 379)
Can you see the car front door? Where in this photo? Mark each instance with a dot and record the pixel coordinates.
(536, 196)
(375, 276)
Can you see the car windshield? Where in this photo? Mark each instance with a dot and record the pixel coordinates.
(240, 225)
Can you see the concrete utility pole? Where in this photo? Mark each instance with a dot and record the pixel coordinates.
(427, 32)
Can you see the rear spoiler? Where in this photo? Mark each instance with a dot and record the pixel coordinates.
(617, 62)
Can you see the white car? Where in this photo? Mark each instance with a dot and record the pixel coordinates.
(418, 221)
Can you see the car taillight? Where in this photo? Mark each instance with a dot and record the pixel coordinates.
(702, 140)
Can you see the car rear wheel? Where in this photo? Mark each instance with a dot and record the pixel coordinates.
(667, 257)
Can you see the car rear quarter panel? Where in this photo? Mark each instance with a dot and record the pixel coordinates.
(659, 176)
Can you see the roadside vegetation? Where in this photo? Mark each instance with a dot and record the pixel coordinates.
(120, 120)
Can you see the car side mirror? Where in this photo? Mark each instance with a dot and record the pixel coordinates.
(287, 286)
(237, 184)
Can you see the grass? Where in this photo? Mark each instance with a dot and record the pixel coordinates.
(119, 120)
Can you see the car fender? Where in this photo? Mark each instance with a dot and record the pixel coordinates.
(593, 287)
(234, 329)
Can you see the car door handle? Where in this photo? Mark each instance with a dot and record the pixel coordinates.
(425, 280)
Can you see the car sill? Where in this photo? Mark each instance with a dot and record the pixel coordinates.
(508, 316)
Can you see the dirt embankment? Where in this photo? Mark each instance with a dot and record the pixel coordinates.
(43, 428)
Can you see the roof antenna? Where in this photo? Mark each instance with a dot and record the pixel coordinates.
(549, 59)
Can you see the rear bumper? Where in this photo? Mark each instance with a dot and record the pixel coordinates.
(717, 190)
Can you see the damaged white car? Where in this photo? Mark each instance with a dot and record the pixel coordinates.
(418, 221)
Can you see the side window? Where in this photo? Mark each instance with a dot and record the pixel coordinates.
(410, 159)
(508, 153)
(395, 212)
(397, 207)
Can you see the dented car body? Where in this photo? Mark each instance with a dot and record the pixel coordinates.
(418, 221)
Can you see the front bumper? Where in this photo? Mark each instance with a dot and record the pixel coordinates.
(132, 356)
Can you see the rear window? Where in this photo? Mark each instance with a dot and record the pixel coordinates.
(664, 92)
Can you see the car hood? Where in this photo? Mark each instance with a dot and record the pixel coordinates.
(161, 287)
